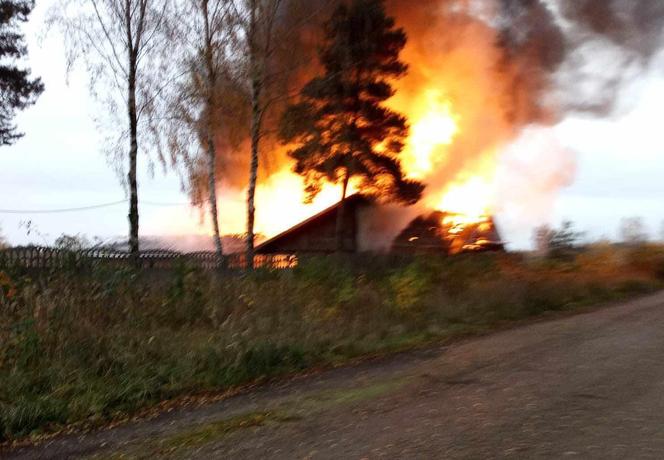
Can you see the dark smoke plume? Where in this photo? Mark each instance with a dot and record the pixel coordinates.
(635, 25)
(565, 40)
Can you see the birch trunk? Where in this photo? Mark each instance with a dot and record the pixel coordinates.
(253, 171)
(255, 138)
(212, 197)
(209, 128)
(133, 157)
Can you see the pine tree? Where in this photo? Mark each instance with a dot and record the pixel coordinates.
(340, 129)
(17, 90)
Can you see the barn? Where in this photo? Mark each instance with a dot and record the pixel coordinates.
(373, 227)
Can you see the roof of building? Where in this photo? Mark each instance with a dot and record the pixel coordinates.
(312, 221)
(424, 233)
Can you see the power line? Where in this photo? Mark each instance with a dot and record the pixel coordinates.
(84, 208)
(160, 203)
(54, 211)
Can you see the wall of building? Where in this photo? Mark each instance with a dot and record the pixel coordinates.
(317, 236)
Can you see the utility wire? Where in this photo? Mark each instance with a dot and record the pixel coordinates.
(84, 208)
(160, 203)
(54, 211)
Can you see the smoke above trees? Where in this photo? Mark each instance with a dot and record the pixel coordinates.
(538, 49)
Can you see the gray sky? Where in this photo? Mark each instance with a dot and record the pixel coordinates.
(619, 166)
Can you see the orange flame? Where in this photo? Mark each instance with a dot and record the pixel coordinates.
(433, 126)
(469, 201)
(281, 199)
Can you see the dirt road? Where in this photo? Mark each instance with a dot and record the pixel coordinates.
(590, 386)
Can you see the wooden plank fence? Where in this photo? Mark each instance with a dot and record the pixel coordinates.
(41, 257)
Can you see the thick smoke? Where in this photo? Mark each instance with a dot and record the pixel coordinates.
(496, 66)
(542, 50)
(634, 25)
(621, 38)
(513, 68)
(603, 45)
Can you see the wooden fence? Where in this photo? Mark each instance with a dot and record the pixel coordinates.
(41, 257)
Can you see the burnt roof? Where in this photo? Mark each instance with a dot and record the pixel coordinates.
(429, 233)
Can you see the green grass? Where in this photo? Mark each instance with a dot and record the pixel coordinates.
(87, 346)
(209, 432)
(192, 438)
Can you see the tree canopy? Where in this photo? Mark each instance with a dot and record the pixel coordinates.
(340, 128)
(17, 89)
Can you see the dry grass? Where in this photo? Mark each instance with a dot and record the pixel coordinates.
(86, 346)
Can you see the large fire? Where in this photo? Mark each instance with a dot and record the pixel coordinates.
(468, 202)
(433, 127)
(452, 98)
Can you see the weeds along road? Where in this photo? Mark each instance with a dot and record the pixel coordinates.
(590, 386)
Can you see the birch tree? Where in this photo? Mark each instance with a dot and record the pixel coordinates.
(262, 17)
(270, 42)
(200, 103)
(119, 43)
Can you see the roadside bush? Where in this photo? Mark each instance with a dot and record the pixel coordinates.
(647, 258)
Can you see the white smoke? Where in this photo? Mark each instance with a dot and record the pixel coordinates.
(530, 173)
(379, 225)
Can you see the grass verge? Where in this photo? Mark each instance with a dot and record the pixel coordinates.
(84, 347)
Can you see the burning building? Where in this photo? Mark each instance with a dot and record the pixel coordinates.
(369, 226)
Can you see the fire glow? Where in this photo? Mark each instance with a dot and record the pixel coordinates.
(453, 103)
(469, 202)
(433, 127)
